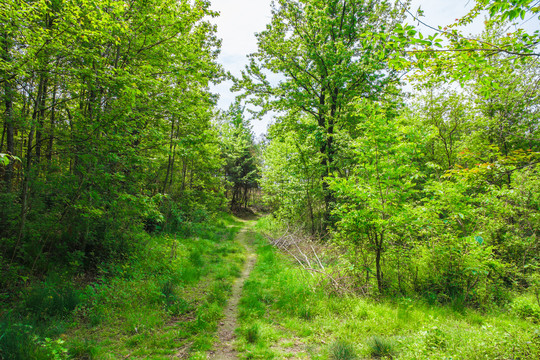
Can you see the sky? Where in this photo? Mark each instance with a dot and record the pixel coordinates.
(239, 20)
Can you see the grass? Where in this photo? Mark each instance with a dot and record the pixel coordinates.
(168, 299)
(342, 350)
(290, 308)
(380, 347)
(165, 300)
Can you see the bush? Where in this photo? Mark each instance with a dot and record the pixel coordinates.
(526, 310)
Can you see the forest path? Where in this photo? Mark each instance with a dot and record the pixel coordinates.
(224, 349)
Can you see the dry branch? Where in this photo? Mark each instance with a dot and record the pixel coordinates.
(308, 253)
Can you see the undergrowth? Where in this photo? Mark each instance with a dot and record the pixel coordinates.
(164, 300)
(297, 318)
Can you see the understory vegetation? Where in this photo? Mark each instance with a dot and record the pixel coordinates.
(164, 300)
(286, 312)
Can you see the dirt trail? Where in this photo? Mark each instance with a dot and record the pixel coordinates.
(225, 346)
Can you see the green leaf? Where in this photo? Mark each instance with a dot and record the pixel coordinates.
(479, 239)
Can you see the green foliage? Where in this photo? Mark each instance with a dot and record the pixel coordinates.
(108, 122)
(321, 76)
(292, 184)
(51, 300)
(435, 339)
(240, 155)
(525, 309)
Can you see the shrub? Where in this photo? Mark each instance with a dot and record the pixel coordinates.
(526, 310)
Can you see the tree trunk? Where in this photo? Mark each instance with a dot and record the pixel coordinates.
(170, 160)
(4, 128)
(378, 252)
(40, 113)
(184, 174)
(8, 114)
(52, 125)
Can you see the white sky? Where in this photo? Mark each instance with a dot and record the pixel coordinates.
(239, 20)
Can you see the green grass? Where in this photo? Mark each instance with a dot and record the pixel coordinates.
(290, 308)
(165, 300)
(170, 300)
(342, 350)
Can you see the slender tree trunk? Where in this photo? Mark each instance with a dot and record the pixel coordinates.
(172, 166)
(52, 125)
(27, 171)
(25, 190)
(8, 114)
(169, 161)
(378, 251)
(40, 113)
(310, 209)
(42, 94)
(4, 128)
(326, 121)
(184, 174)
(191, 173)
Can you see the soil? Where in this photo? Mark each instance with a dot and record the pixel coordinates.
(226, 331)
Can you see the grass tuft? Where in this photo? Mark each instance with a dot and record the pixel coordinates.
(342, 350)
(253, 333)
(381, 347)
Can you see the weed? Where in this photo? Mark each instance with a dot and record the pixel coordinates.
(207, 316)
(50, 300)
(196, 258)
(342, 350)
(475, 319)
(219, 293)
(178, 307)
(190, 274)
(167, 289)
(14, 340)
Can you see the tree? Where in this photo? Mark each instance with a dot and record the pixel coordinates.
(327, 53)
(372, 203)
(291, 179)
(111, 94)
(238, 149)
